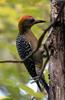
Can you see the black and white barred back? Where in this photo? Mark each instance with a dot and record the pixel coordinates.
(24, 49)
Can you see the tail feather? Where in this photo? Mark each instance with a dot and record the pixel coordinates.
(43, 82)
(39, 86)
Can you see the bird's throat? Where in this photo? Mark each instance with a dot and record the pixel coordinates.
(30, 37)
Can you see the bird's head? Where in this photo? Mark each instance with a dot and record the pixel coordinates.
(26, 22)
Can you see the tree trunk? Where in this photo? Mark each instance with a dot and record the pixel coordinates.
(57, 60)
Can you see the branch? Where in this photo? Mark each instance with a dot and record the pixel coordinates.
(11, 61)
(40, 39)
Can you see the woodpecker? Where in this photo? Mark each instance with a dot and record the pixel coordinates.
(26, 42)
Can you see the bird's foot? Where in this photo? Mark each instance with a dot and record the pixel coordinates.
(35, 79)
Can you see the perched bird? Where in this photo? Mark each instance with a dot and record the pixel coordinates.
(26, 42)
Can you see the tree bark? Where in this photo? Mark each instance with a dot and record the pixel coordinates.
(57, 60)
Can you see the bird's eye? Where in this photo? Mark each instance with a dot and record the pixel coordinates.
(32, 20)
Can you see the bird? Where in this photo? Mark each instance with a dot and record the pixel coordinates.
(26, 42)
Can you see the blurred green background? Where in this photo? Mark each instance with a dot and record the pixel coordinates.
(13, 76)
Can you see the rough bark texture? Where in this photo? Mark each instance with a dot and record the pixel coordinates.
(57, 60)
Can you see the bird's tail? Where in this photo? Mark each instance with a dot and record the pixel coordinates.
(43, 82)
(39, 86)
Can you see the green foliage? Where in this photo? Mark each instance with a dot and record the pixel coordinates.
(13, 74)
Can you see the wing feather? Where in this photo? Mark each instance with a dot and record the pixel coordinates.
(24, 49)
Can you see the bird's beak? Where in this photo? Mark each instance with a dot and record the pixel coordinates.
(39, 21)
